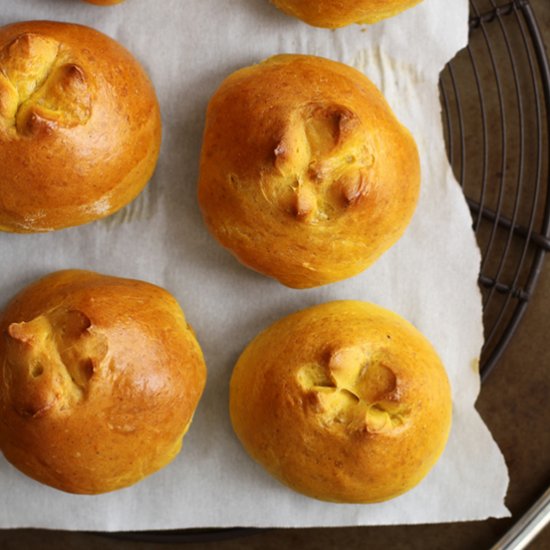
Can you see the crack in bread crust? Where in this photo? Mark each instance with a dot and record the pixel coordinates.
(354, 391)
(323, 163)
(51, 360)
(41, 88)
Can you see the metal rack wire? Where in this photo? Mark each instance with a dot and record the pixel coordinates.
(496, 111)
(496, 99)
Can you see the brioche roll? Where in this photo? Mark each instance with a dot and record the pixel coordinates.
(332, 14)
(80, 126)
(104, 2)
(306, 175)
(343, 402)
(99, 380)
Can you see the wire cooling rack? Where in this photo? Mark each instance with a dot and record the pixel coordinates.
(496, 101)
(495, 97)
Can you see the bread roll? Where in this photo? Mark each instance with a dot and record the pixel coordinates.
(99, 380)
(104, 2)
(332, 14)
(80, 126)
(306, 175)
(344, 402)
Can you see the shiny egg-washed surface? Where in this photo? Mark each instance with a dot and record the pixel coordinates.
(99, 380)
(77, 143)
(306, 174)
(344, 402)
(339, 13)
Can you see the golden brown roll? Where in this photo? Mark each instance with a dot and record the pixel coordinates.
(332, 14)
(80, 126)
(306, 175)
(99, 380)
(344, 402)
(104, 2)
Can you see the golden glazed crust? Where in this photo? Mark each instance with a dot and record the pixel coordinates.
(99, 380)
(104, 2)
(80, 126)
(306, 175)
(344, 402)
(332, 14)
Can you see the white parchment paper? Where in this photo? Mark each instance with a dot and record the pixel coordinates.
(188, 47)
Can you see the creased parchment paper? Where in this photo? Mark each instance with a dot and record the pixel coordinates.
(188, 47)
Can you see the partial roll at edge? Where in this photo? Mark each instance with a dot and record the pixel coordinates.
(80, 126)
